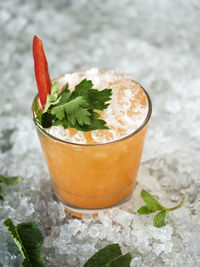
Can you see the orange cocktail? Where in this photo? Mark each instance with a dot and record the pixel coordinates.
(98, 169)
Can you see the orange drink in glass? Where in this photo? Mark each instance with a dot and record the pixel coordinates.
(98, 169)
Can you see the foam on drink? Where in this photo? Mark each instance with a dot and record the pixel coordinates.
(126, 113)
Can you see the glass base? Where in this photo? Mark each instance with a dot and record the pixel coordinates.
(80, 212)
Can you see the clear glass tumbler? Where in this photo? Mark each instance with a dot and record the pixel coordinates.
(90, 177)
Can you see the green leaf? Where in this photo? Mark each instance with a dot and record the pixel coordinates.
(29, 240)
(151, 202)
(10, 180)
(145, 210)
(35, 105)
(64, 96)
(122, 261)
(38, 113)
(97, 98)
(75, 111)
(159, 219)
(65, 124)
(82, 89)
(153, 205)
(53, 98)
(104, 256)
(1, 197)
(14, 233)
(65, 89)
(95, 125)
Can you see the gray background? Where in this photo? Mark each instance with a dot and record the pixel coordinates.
(157, 42)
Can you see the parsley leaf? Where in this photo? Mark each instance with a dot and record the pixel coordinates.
(53, 98)
(109, 256)
(83, 88)
(97, 98)
(38, 113)
(74, 109)
(9, 181)
(152, 205)
(29, 240)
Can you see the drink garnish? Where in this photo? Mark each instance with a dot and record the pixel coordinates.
(76, 109)
(152, 205)
(109, 256)
(9, 181)
(29, 240)
(41, 70)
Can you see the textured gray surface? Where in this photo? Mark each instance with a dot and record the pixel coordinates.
(158, 43)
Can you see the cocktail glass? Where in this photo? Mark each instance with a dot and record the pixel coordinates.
(89, 177)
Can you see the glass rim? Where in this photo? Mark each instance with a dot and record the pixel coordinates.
(146, 120)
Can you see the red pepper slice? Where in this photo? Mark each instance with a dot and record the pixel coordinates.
(41, 71)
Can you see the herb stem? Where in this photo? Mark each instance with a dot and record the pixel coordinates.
(179, 206)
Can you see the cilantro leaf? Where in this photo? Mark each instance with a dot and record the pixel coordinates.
(82, 89)
(65, 89)
(74, 109)
(29, 240)
(97, 98)
(53, 98)
(109, 256)
(38, 113)
(94, 125)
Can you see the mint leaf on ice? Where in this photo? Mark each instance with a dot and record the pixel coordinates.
(122, 260)
(29, 240)
(109, 256)
(151, 202)
(9, 181)
(159, 219)
(145, 210)
(152, 205)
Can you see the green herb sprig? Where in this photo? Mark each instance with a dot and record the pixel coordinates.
(9, 181)
(74, 109)
(29, 240)
(152, 205)
(109, 256)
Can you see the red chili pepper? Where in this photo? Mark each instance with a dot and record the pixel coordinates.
(41, 70)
